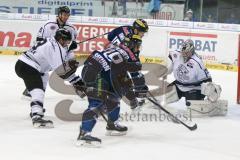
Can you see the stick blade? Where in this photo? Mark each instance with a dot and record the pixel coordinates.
(193, 128)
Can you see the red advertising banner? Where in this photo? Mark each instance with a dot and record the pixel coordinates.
(88, 31)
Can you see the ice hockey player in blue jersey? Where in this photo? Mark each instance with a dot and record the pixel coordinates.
(105, 75)
(116, 36)
(139, 27)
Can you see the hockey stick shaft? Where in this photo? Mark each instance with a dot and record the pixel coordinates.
(92, 38)
(192, 128)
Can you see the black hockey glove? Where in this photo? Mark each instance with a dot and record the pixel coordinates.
(80, 88)
(79, 85)
(72, 46)
(67, 69)
(141, 92)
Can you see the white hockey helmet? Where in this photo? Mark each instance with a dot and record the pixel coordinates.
(187, 49)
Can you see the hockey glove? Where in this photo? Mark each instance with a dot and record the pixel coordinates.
(67, 69)
(80, 88)
(141, 92)
(72, 46)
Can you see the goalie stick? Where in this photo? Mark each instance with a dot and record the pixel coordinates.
(152, 99)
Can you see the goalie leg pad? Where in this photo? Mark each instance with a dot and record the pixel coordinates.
(205, 108)
(172, 96)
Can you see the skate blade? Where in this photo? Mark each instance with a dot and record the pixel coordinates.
(115, 133)
(88, 144)
(39, 125)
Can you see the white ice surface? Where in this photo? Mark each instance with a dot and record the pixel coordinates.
(215, 139)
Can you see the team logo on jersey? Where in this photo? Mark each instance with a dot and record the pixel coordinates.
(53, 27)
(182, 73)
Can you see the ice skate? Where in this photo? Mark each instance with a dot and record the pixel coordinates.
(115, 129)
(39, 122)
(86, 140)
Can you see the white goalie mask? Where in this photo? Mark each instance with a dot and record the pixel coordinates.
(187, 49)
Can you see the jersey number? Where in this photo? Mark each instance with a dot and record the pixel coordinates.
(39, 43)
(114, 57)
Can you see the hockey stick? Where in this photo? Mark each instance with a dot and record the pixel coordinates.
(192, 128)
(92, 38)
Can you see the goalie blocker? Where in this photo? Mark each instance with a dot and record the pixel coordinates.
(210, 106)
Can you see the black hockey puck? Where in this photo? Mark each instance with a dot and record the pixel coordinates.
(188, 103)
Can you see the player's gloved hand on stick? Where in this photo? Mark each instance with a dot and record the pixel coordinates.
(72, 46)
(80, 88)
(79, 85)
(142, 92)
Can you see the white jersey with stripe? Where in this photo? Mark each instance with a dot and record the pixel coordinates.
(190, 74)
(46, 55)
(50, 27)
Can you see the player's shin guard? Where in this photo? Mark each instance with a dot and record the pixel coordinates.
(37, 110)
(89, 119)
(88, 122)
(37, 102)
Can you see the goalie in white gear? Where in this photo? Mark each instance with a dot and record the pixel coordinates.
(193, 81)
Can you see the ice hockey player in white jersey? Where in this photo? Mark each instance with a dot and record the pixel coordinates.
(51, 26)
(32, 66)
(193, 81)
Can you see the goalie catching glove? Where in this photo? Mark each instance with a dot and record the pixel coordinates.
(211, 90)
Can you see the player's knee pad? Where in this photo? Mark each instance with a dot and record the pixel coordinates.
(203, 108)
(90, 114)
(172, 95)
(93, 110)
